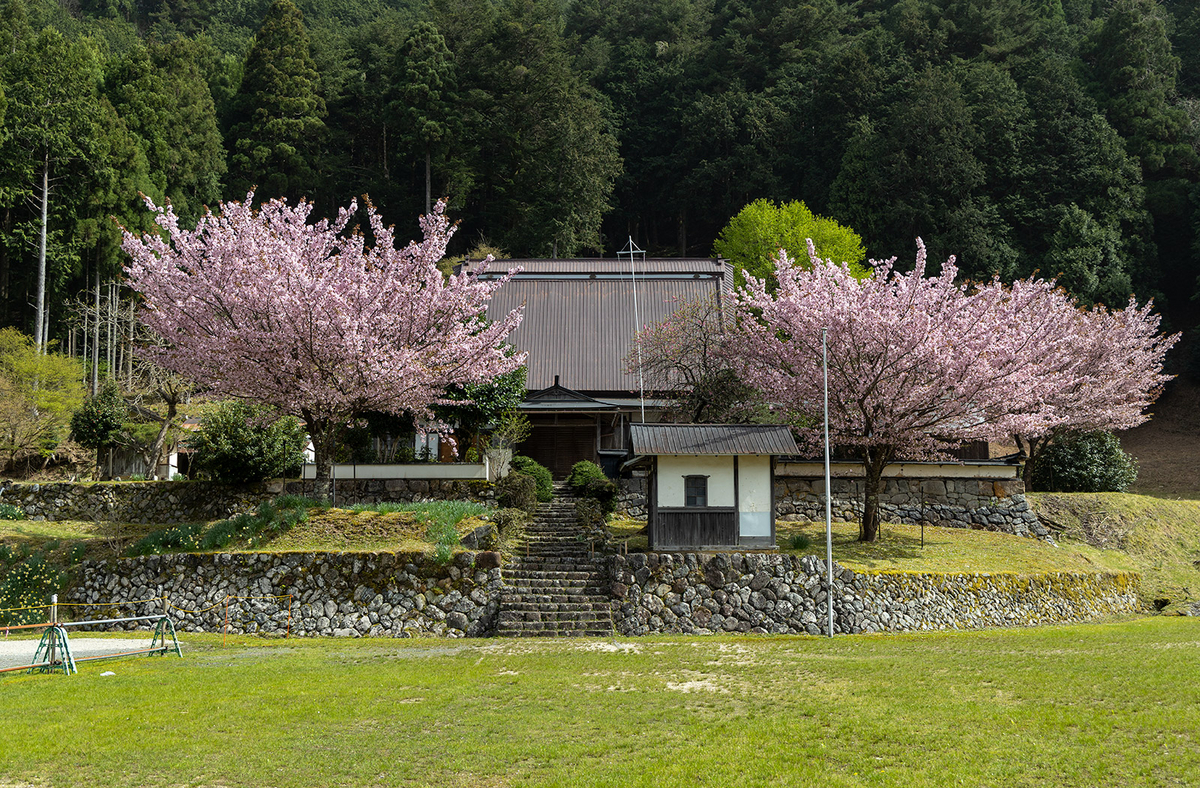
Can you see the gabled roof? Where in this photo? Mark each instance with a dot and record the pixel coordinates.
(712, 439)
(579, 318)
(558, 397)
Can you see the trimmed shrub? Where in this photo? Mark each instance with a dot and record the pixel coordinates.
(583, 472)
(1084, 462)
(242, 442)
(603, 491)
(540, 473)
(517, 491)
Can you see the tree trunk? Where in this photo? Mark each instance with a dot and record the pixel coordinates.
(39, 328)
(428, 202)
(874, 461)
(96, 335)
(152, 456)
(324, 437)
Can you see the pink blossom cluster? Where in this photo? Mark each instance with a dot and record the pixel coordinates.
(261, 304)
(919, 363)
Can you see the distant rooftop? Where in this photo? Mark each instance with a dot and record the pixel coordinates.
(579, 313)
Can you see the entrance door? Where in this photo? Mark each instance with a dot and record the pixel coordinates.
(560, 445)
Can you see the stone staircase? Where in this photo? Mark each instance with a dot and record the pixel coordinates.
(553, 587)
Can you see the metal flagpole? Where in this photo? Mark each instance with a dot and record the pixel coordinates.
(828, 492)
(632, 250)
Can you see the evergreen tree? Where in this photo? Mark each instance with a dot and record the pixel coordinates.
(279, 111)
(423, 104)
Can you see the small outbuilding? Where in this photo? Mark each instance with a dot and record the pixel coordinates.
(710, 486)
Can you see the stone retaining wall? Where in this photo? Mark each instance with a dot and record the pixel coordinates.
(198, 501)
(337, 594)
(400, 595)
(987, 504)
(780, 594)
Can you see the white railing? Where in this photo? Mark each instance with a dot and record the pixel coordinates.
(417, 470)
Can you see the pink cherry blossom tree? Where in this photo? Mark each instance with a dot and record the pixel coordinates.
(919, 364)
(307, 317)
(1102, 372)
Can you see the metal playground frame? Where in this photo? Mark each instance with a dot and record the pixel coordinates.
(54, 650)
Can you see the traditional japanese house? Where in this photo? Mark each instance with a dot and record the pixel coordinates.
(579, 323)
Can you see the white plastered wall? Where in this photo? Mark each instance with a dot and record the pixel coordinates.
(754, 493)
(673, 467)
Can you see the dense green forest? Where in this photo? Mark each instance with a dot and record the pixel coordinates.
(1058, 136)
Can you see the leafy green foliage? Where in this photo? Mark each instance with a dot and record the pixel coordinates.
(38, 394)
(97, 425)
(517, 491)
(752, 239)
(9, 511)
(243, 442)
(1084, 462)
(540, 473)
(584, 471)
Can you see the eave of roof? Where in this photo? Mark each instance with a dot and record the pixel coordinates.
(711, 439)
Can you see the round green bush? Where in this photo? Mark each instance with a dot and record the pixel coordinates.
(540, 473)
(584, 471)
(243, 442)
(1084, 462)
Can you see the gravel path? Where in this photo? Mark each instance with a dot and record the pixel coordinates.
(15, 652)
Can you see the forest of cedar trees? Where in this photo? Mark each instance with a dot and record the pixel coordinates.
(1056, 136)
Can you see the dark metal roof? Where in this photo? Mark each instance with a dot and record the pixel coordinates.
(581, 328)
(711, 439)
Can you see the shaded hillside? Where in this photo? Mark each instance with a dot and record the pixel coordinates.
(1166, 446)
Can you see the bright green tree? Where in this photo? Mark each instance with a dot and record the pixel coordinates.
(97, 425)
(752, 239)
(279, 110)
(38, 393)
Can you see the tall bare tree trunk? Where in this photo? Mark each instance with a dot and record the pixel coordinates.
(40, 324)
(96, 336)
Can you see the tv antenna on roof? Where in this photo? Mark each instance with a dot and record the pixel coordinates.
(633, 251)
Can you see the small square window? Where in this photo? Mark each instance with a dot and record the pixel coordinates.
(695, 490)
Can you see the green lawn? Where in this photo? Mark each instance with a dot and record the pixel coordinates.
(899, 547)
(1090, 705)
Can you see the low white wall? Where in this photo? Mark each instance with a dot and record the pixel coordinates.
(423, 470)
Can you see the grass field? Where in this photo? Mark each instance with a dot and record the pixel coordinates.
(1092, 705)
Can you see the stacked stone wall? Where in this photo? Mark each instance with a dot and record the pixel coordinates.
(987, 504)
(334, 594)
(198, 501)
(782, 594)
(401, 595)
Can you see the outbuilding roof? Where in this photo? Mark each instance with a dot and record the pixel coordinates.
(579, 318)
(711, 439)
